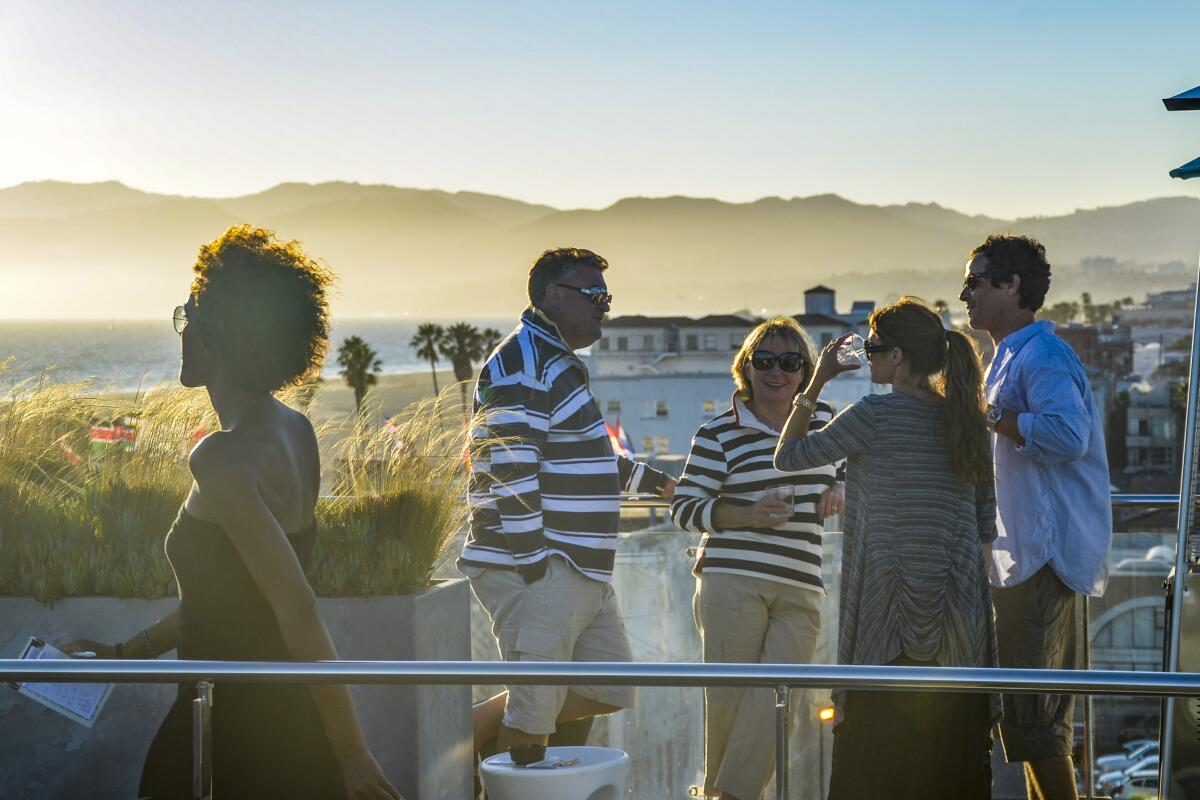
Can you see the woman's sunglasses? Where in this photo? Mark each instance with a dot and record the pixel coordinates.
(763, 360)
(180, 319)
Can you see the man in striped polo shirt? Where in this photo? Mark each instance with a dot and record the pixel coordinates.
(545, 503)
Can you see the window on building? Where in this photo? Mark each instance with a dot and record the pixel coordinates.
(648, 342)
(622, 343)
(662, 445)
(660, 409)
(710, 341)
(735, 341)
(1143, 427)
(603, 343)
(693, 342)
(647, 409)
(614, 408)
(647, 444)
(1132, 639)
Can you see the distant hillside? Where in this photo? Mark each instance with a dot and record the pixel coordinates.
(100, 250)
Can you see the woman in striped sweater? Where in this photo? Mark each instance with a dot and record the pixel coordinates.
(758, 572)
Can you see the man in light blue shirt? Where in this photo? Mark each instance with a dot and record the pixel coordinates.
(1054, 518)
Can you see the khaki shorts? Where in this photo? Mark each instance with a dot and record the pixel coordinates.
(1035, 629)
(564, 616)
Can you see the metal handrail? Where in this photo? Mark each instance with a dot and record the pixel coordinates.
(783, 677)
(575, 673)
(1119, 500)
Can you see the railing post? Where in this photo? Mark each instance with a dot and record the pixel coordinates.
(202, 741)
(782, 720)
(1088, 755)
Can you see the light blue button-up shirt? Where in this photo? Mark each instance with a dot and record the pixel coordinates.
(1052, 493)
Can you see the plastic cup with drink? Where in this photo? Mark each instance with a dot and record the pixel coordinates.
(784, 493)
(853, 351)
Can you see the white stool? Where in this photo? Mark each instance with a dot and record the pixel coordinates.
(599, 775)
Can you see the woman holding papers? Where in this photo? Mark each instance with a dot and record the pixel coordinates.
(914, 590)
(758, 574)
(256, 321)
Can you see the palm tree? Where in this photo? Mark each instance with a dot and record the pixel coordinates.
(463, 345)
(491, 338)
(943, 310)
(429, 335)
(359, 366)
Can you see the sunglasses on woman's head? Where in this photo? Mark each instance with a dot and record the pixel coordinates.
(763, 360)
(180, 318)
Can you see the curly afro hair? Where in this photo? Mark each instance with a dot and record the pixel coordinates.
(263, 306)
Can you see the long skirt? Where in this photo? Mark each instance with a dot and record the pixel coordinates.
(912, 746)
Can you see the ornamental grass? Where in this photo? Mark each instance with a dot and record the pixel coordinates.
(81, 518)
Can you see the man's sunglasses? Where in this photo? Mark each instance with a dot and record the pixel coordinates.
(973, 281)
(763, 360)
(180, 319)
(598, 296)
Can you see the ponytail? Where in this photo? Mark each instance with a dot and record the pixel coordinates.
(966, 431)
(951, 360)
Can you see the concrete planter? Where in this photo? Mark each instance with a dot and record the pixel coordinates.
(420, 735)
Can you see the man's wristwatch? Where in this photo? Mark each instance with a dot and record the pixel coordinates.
(992, 419)
(800, 401)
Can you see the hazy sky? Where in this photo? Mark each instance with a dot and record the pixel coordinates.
(1004, 108)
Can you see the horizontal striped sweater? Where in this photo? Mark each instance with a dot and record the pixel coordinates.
(731, 460)
(914, 582)
(545, 480)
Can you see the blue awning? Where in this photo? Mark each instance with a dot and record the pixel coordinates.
(1187, 101)
(1188, 170)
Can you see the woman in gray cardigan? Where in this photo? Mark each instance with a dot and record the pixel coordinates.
(920, 512)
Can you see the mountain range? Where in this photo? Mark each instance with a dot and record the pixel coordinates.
(104, 250)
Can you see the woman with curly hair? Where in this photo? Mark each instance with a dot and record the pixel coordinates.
(920, 512)
(257, 320)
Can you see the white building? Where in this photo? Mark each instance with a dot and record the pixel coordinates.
(1165, 317)
(663, 377)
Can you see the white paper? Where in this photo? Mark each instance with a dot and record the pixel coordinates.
(78, 701)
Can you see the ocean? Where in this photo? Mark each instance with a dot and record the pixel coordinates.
(124, 355)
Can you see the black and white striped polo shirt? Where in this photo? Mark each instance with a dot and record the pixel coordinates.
(731, 458)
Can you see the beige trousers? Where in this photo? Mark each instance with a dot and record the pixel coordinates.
(743, 620)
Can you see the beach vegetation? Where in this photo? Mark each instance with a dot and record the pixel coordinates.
(91, 482)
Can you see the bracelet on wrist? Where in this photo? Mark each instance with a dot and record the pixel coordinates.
(801, 401)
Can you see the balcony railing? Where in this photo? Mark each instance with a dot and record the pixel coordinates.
(782, 678)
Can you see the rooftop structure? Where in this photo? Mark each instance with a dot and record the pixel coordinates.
(663, 377)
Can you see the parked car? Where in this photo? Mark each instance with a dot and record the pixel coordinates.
(1133, 752)
(1141, 785)
(1111, 781)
